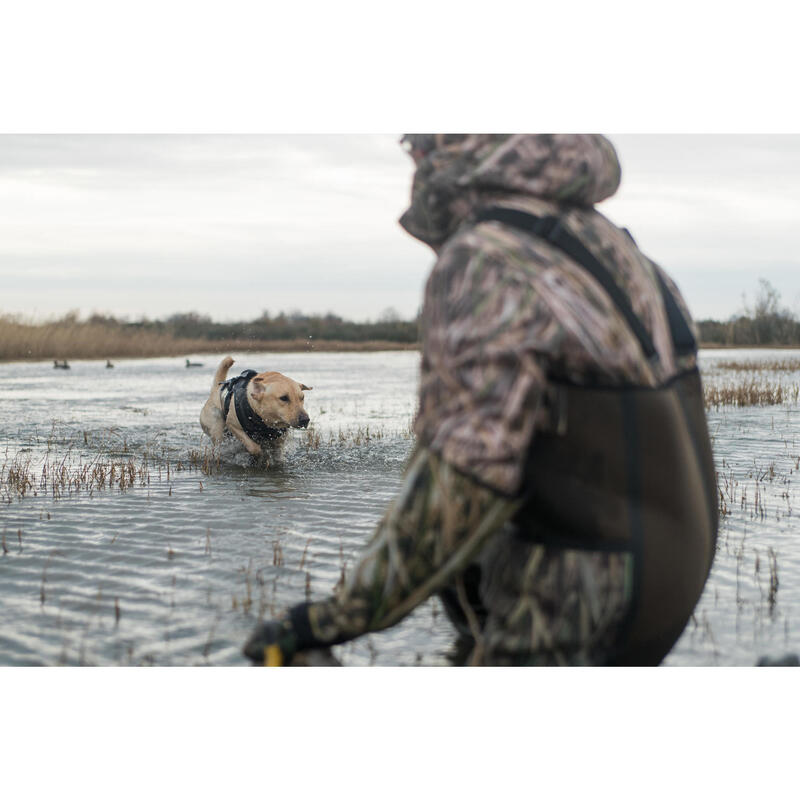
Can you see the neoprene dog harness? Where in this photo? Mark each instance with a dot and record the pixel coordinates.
(252, 424)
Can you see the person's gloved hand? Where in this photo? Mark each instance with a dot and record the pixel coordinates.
(271, 644)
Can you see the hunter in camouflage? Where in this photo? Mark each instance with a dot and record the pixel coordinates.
(507, 317)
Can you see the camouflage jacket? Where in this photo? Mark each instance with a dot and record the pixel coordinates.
(505, 314)
(505, 311)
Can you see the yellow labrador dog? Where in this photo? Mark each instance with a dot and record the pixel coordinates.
(257, 408)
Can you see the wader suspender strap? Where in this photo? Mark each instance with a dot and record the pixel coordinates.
(682, 336)
(551, 229)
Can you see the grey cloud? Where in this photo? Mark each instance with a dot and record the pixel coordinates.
(308, 221)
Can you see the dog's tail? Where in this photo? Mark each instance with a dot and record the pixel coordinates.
(222, 372)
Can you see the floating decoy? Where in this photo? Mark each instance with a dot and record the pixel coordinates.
(109, 365)
(788, 660)
(63, 365)
(193, 363)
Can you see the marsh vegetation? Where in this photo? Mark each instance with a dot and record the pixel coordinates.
(743, 382)
(102, 337)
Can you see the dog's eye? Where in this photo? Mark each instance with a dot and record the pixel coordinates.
(285, 398)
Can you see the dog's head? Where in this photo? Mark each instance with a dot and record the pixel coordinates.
(278, 400)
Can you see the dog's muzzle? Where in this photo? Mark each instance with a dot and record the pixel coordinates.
(303, 420)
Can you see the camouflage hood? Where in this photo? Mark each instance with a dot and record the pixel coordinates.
(457, 172)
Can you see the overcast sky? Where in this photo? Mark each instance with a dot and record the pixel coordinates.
(234, 225)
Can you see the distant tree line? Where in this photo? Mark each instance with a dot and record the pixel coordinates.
(294, 325)
(765, 323)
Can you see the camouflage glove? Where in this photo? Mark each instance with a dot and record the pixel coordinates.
(271, 644)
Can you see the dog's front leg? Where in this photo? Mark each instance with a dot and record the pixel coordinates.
(252, 447)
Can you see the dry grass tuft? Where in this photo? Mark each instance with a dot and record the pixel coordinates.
(22, 474)
(749, 392)
(361, 435)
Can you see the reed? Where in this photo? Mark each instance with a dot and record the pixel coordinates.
(779, 365)
(749, 392)
(63, 339)
(61, 469)
(358, 436)
(68, 338)
(277, 554)
(57, 476)
(773, 579)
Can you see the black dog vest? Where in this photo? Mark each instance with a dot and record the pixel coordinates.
(236, 389)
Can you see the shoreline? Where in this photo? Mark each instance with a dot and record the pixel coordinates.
(193, 348)
(749, 346)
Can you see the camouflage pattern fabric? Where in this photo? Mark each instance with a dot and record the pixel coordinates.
(538, 605)
(505, 312)
(505, 315)
(429, 534)
(551, 607)
(455, 171)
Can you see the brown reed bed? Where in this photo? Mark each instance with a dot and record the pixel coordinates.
(22, 340)
(27, 341)
(361, 435)
(776, 365)
(69, 473)
(61, 470)
(21, 477)
(749, 392)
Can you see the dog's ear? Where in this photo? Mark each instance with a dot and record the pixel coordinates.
(258, 385)
(304, 388)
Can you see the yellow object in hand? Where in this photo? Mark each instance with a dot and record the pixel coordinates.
(273, 656)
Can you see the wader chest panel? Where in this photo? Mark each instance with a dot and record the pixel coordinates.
(634, 471)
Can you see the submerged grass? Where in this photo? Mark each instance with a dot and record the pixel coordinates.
(22, 475)
(57, 465)
(753, 383)
(361, 435)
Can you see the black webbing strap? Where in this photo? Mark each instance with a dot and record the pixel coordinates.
(551, 229)
(251, 423)
(682, 336)
(228, 389)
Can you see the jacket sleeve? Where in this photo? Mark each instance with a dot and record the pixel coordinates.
(429, 534)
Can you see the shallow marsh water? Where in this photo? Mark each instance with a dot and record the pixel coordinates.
(171, 559)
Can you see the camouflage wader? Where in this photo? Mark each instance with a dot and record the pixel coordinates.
(507, 318)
